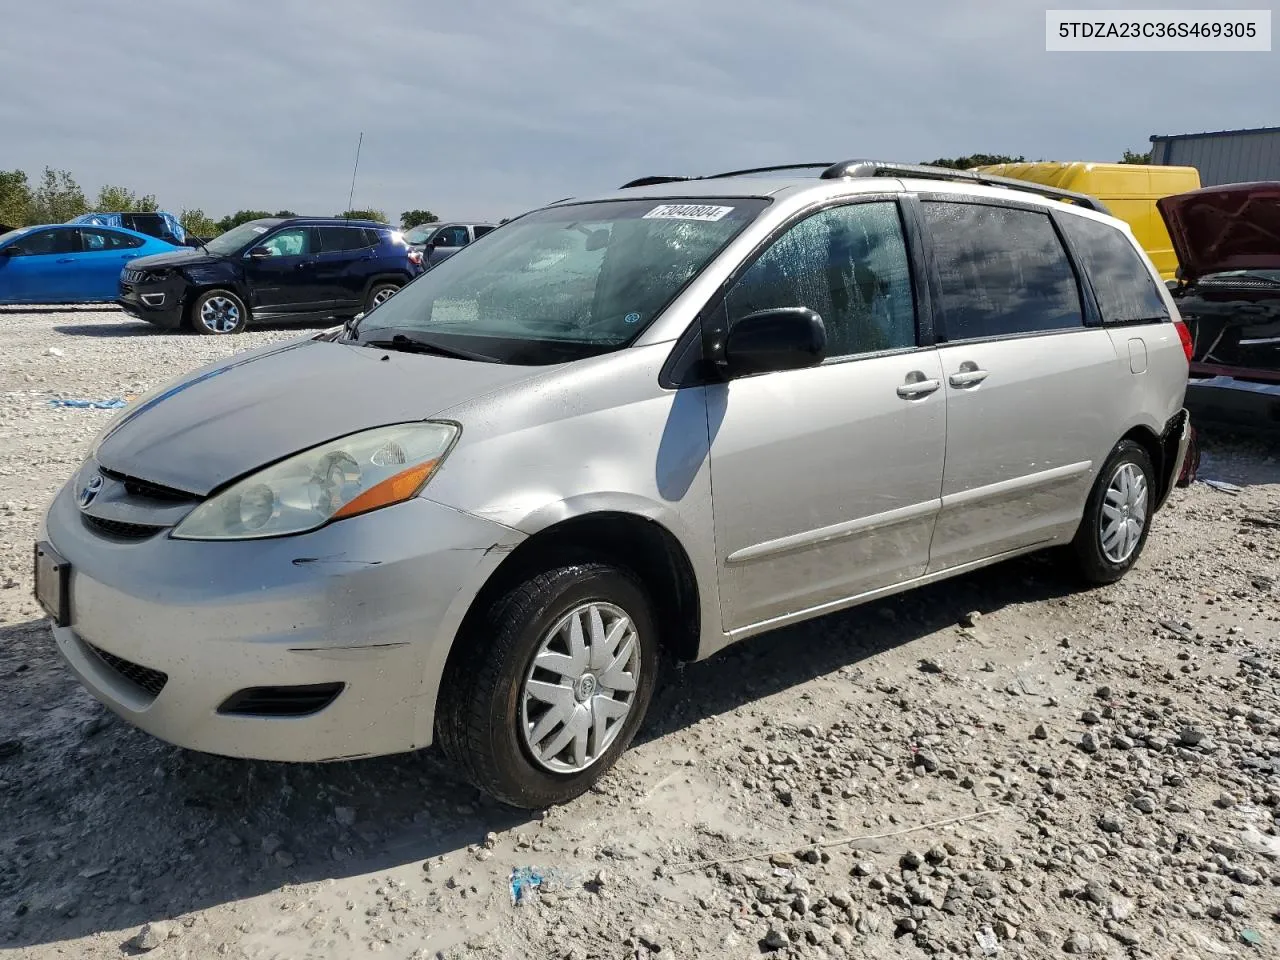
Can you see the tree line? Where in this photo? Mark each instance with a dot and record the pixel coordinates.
(56, 197)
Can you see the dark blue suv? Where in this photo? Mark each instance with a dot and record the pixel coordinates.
(299, 268)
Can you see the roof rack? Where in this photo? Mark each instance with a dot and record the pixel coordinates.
(921, 171)
(847, 169)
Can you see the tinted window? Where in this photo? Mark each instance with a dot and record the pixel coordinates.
(98, 240)
(850, 265)
(1121, 281)
(293, 242)
(151, 223)
(44, 242)
(336, 239)
(481, 231)
(451, 237)
(1002, 271)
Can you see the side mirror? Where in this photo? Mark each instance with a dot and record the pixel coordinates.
(260, 253)
(786, 338)
(6, 251)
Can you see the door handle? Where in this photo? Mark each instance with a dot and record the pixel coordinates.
(128, 256)
(913, 389)
(967, 378)
(304, 265)
(66, 260)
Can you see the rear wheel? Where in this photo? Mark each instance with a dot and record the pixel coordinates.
(550, 684)
(1117, 516)
(379, 294)
(218, 313)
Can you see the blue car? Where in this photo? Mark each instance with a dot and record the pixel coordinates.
(66, 263)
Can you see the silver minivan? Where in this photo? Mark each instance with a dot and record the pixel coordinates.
(641, 425)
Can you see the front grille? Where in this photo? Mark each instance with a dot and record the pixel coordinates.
(297, 701)
(120, 529)
(135, 276)
(145, 488)
(148, 680)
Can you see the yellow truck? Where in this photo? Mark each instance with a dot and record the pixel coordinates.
(1129, 190)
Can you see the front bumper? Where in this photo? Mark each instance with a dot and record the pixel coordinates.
(161, 303)
(372, 603)
(1236, 404)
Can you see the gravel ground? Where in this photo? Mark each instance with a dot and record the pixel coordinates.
(1109, 763)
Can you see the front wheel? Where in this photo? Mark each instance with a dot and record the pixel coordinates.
(379, 294)
(217, 313)
(550, 684)
(1117, 516)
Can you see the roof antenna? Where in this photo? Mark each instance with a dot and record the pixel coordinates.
(351, 195)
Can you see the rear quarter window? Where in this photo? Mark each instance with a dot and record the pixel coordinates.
(1122, 283)
(1002, 271)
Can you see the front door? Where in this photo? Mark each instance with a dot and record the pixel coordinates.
(1033, 393)
(285, 280)
(40, 267)
(826, 481)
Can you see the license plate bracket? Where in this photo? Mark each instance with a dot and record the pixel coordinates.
(53, 583)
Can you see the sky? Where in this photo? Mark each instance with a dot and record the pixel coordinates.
(485, 110)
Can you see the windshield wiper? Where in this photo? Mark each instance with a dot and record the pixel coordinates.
(409, 344)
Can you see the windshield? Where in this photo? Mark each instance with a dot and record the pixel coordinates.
(238, 237)
(567, 281)
(420, 233)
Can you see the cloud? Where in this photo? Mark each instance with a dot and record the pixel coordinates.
(487, 110)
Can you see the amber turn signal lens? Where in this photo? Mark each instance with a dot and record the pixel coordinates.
(394, 489)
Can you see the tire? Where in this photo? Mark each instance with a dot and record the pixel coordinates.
(1099, 557)
(487, 717)
(380, 293)
(218, 313)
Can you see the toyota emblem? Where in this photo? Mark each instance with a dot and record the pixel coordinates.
(90, 491)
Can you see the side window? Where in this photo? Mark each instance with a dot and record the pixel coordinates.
(451, 237)
(340, 239)
(481, 231)
(44, 242)
(1122, 282)
(1002, 271)
(148, 223)
(850, 265)
(95, 241)
(292, 242)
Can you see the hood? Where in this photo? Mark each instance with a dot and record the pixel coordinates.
(1232, 227)
(180, 257)
(222, 422)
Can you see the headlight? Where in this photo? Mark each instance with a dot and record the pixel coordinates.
(335, 480)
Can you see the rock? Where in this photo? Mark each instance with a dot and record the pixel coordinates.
(10, 748)
(930, 666)
(1103, 693)
(936, 854)
(911, 860)
(1078, 943)
(841, 899)
(151, 936)
(284, 858)
(1090, 717)
(1145, 804)
(775, 939)
(1246, 875)
(1089, 742)
(863, 868)
(54, 352)
(1236, 906)
(1096, 893)
(271, 843)
(1225, 801)
(1126, 935)
(928, 761)
(1120, 742)
(1191, 736)
(1111, 822)
(346, 816)
(971, 619)
(1041, 732)
(908, 925)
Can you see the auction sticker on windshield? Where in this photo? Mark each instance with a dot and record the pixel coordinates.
(688, 211)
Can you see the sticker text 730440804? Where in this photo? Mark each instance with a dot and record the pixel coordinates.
(687, 211)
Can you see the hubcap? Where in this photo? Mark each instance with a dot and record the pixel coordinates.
(383, 295)
(1124, 513)
(581, 687)
(220, 314)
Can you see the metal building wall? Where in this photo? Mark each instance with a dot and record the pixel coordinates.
(1230, 156)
